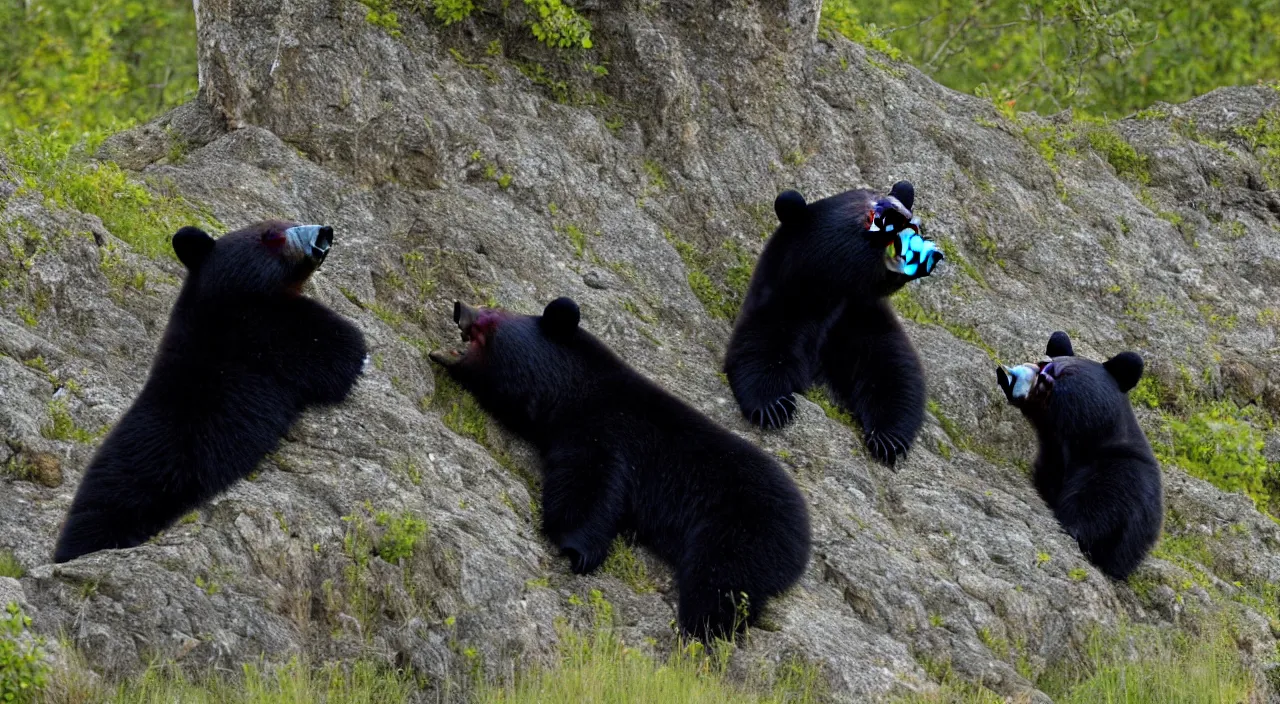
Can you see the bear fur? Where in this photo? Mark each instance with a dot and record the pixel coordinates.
(620, 455)
(1095, 469)
(816, 312)
(243, 355)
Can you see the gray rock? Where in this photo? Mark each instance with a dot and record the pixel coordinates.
(707, 111)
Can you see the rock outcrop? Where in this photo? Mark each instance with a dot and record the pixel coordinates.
(471, 162)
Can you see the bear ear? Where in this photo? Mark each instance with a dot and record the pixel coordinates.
(560, 317)
(905, 193)
(1126, 367)
(192, 245)
(1059, 345)
(790, 207)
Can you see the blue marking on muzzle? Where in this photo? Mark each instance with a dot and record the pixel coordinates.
(312, 240)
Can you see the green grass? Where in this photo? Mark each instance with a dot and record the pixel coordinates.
(1132, 665)
(9, 565)
(624, 564)
(1222, 444)
(1147, 665)
(48, 164)
(596, 666)
(361, 683)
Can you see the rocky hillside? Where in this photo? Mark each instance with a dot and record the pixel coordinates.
(472, 162)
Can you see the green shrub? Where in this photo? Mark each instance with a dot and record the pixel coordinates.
(93, 66)
(450, 11)
(558, 25)
(1107, 57)
(401, 536)
(23, 669)
(842, 16)
(1219, 445)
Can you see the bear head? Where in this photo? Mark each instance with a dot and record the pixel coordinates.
(521, 368)
(273, 257)
(1030, 386)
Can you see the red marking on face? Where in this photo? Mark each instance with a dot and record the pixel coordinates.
(480, 332)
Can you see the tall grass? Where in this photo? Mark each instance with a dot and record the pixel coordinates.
(598, 667)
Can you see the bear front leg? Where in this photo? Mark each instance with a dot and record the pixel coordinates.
(768, 361)
(870, 365)
(317, 352)
(582, 503)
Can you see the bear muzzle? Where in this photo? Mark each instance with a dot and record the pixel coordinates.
(465, 316)
(313, 241)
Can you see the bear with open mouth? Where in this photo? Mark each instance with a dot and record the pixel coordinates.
(1095, 468)
(621, 455)
(243, 355)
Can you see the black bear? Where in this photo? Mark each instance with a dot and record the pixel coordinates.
(1094, 469)
(816, 312)
(622, 456)
(243, 355)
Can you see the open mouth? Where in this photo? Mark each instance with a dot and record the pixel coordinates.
(473, 336)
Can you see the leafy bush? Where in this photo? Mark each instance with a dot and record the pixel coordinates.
(400, 537)
(1106, 56)
(450, 11)
(559, 25)
(84, 66)
(1218, 444)
(23, 670)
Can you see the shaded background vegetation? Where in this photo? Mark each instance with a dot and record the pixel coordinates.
(1105, 57)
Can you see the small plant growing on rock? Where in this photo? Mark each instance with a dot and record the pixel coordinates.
(401, 537)
(450, 11)
(9, 565)
(558, 25)
(23, 670)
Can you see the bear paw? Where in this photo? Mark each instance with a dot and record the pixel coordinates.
(775, 414)
(582, 561)
(887, 448)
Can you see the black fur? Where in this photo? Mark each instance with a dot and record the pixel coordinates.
(816, 312)
(1095, 469)
(621, 455)
(243, 355)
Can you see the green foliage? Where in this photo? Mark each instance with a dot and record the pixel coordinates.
(558, 25)
(596, 665)
(842, 16)
(381, 15)
(623, 563)
(833, 411)
(1107, 57)
(1119, 153)
(1220, 445)
(719, 300)
(1264, 139)
(1078, 574)
(461, 412)
(1150, 665)
(62, 427)
(400, 536)
(89, 66)
(23, 669)
(360, 683)
(450, 11)
(51, 165)
(910, 308)
(9, 565)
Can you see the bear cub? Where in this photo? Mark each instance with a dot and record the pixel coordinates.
(243, 355)
(1094, 469)
(816, 312)
(620, 455)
